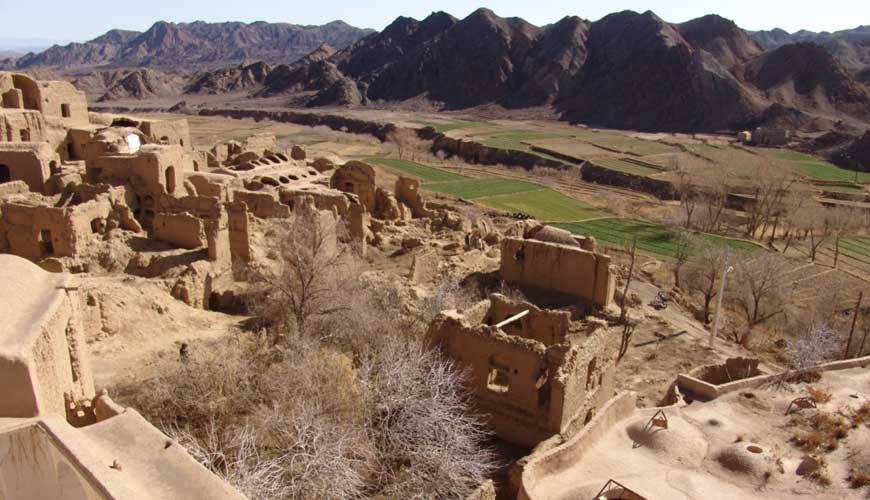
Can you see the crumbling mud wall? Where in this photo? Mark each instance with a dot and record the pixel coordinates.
(358, 178)
(36, 231)
(474, 152)
(661, 189)
(540, 467)
(335, 122)
(528, 390)
(31, 162)
(547, 327)
(407, 192)
(548, 266)
(43, 354)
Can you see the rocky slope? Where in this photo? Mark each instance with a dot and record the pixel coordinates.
(627, 70)
(850, 47)
(195, 45)
(239, 78)
(129, 84)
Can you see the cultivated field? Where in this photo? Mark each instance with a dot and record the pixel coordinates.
(653, 239)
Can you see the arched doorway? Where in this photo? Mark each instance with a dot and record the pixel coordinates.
(5, 175)
(170, 180)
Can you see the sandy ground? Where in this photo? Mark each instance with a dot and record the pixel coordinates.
(134, 326)
(709, 450)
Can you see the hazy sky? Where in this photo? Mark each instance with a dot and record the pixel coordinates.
(80, 20)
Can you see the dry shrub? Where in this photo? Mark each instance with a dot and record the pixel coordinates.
(859, 479)
(823, 432)
(860, 415)
(355, 408)
(821, 478)
(818, 395)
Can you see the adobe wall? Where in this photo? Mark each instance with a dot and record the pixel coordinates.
(167, 132)
(323, 199)
(358, 178)
(29, 162)
(36, 232)
(240, 245)
(407, 192)
(37, 467)
(16, 125)
(514, 414)
(547, 327)
(43, 353)
(262, 204)
(689, 383)
(547, 266)
(542, 466)
(63, 104)
(528, 391)
(182, 230)
(154, 170)
(659, 188)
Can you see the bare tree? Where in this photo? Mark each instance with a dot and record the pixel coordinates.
(313, 267)
(755, 289)
(623, 304)
(703, 273)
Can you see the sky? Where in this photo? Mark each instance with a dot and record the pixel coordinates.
(25, 24)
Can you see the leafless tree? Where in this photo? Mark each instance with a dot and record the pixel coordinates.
(755, 290)
(703, 273)
(312, 268)
(623, 304)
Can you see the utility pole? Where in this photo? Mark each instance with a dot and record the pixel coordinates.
(725, 270)
(852, 330)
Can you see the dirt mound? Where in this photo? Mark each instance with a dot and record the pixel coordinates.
(680, 442)
(743, 458)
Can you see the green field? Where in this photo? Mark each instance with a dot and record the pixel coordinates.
(652, 239)
(412, 169)
(640, 147)
(513, 139)
(841, 189)
(816, 168)
(470, 189)
(444, 127)
(857, 248)
(545, 205)
(625, 167)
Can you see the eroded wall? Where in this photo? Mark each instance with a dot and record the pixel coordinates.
(548, 266)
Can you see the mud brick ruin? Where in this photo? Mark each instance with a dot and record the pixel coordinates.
(534, 373)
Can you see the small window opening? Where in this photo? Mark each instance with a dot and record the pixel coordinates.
(64, 110)
(45, 243)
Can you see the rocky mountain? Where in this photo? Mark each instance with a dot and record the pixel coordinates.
(850, 47)
(189, 46)
(140, 83)
(627, 70)
(239, 78)
(805, 75)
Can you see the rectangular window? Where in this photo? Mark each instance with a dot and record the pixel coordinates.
(64, 110)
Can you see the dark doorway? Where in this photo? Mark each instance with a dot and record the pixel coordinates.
(5, 175)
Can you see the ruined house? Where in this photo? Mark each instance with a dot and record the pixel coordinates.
(559, 266)
(533, 372)
(58, 438)
(771, 136)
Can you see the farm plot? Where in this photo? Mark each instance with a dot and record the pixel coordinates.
(413, 169)
(625, 167)
(816, 168)
(545, 205)
(444, 127)
(470, 189)
(652, 239)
